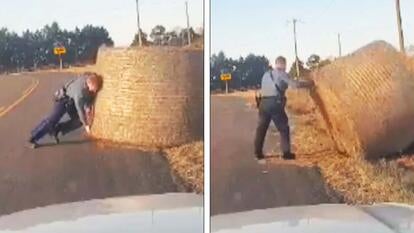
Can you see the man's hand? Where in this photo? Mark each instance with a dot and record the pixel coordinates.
(89, 115)
(311, 83)
(88, 129)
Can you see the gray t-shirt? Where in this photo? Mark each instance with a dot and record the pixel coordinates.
(79, 92)
(282, 80)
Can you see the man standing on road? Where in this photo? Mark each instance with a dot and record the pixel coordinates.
(76, 98)
(272, 107)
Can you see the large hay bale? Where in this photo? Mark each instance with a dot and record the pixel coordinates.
(151, 97)
(367, 100)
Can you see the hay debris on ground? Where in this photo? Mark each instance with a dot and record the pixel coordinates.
(187, 161)
(356, 180)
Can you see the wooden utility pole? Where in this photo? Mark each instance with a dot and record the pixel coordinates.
(400, 30)
(339, 45)
(60, 62)
(296, 48)
(139, 27)
(188, 24)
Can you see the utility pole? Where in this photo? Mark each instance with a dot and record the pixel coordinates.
(339, 45)
(139, 27)
(188, 24)
(400, 30)
(296, 48)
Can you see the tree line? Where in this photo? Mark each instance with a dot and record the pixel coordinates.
(34, 49)
(247, 72)
(159, 36)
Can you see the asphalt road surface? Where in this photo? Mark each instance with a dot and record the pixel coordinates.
(75, 170)
(239, 183)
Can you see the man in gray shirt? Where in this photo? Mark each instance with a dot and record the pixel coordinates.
(76, 98)
(272, 107)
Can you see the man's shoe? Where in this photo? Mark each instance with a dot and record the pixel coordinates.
(32, 144)
(288, 156)
(55, 135)
(260, 158)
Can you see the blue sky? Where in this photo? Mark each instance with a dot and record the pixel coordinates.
(118, 16)
(240, 27)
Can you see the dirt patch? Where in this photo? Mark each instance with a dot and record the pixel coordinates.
(187, 162)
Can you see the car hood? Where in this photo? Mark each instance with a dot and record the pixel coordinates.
(181, 213)
(338, 218)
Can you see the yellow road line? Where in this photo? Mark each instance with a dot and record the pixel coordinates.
(26, 93)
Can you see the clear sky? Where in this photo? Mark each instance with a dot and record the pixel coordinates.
(118, 16)
(261, 26)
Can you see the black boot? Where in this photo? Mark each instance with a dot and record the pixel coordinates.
(259, 156)
(288, 156)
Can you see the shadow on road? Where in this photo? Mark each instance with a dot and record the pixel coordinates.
(71, 142)
(77, 169)
(239, 183)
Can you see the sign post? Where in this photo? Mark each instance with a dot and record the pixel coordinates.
(226, 77)
(59, 51)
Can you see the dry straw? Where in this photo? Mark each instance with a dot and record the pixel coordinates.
(151, 97)
(367, 100)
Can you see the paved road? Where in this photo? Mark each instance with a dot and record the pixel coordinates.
(73, 171)
(239, 183)
(11, 88)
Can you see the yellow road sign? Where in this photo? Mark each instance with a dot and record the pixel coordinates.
(225, 77)
(59, 50)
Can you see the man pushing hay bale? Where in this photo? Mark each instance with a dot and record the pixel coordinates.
(152, 96)
(367, 100)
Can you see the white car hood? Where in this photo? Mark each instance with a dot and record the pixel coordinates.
(325, 218)
(175, 213)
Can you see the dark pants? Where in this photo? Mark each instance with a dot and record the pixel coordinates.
(51, 123)
(272, 109)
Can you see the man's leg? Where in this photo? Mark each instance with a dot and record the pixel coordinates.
(70, 125)
(263, 125)
(47, 124)
(281, 122)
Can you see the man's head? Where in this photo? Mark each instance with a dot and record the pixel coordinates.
(280, 63)
(93, 81)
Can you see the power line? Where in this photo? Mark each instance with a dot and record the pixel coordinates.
(399, 25)
(139, 27)
(339, 45)
(294, 21)
(188, 23)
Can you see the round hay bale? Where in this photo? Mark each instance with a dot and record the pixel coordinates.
(151, 97)
(367, 100)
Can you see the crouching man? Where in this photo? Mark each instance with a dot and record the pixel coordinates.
(272, 107)
(76, 98)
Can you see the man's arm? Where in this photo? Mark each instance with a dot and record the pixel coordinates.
(90, 113)
(297, 83)
(79, 104)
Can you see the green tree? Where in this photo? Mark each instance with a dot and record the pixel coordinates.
(91, 38)
(33, 49)
(157, 35)
(313, 61)
(302, 70)
(246, 72)
(144, 38)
